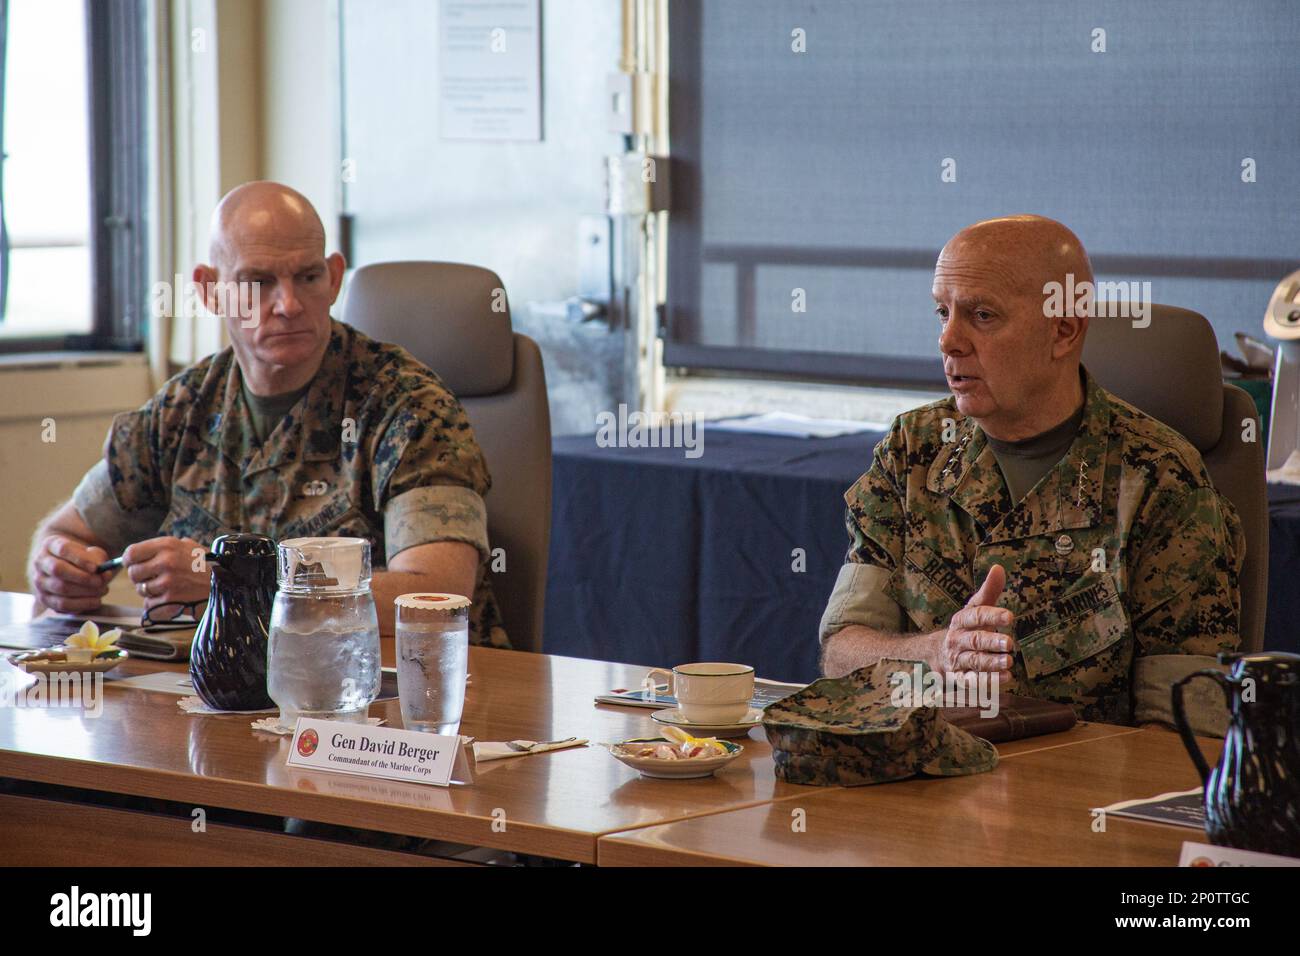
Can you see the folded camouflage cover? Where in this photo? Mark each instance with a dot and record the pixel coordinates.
(850, 731)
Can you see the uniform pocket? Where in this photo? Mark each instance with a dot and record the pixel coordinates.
(189, 518)
(1078, 625)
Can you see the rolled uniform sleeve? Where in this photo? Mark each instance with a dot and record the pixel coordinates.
(1185, 604)
(440, 513)
(430, 476)
(113, 525)
(122, 499)
(876, 524)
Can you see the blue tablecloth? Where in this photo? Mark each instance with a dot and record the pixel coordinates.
(657, 558)
(1282, 626)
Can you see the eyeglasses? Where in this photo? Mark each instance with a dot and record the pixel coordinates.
(173, 615)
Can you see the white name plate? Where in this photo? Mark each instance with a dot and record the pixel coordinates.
(369, 751)
(1203, 854)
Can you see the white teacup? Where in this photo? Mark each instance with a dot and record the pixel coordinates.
(711, 693)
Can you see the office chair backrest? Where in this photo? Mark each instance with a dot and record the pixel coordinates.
(1171, 370)
(455, 319)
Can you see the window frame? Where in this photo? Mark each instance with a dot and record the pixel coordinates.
(116, 74)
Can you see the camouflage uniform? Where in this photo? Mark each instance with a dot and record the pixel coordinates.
(853, 730)
(1121, 562)
(377, 448)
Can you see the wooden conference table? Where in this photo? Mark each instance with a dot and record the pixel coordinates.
(578, 804)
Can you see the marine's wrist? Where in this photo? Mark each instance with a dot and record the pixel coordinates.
(929, 648)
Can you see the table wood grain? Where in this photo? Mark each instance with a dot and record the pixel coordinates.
(1032, 811)
(553, 804)
(41, 832)
(556, 804)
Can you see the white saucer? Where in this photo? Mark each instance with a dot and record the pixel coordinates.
(738, 728)
(100, 665)
(673, 769)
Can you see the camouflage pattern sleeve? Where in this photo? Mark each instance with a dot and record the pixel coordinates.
(98, 506)
(123, 499)
(132, 453)
(859, 598)
(441, 513)
(1184, 595)
(874, 519)
(1185, 604)
(1153, 681)
(429, 475)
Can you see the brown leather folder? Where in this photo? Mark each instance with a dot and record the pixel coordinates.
(1017, 717)
(163, 645)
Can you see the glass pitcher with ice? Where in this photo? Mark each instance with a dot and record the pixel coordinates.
(323, 660)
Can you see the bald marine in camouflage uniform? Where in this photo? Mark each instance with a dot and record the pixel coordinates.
(1090, 562)
(376, 448)
(1121, 554)
(303, 427)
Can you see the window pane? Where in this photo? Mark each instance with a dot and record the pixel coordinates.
(49, 291)
(840, 171)
(46, 173)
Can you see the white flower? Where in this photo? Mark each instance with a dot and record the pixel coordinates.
(90, 638)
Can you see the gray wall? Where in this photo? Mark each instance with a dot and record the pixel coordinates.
(511, 206)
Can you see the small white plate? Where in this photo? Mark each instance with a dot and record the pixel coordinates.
(674, 769)
(740, 728)
(99, 666)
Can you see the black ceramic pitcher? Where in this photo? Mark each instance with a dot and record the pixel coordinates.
(228, 658)
(1252, 797)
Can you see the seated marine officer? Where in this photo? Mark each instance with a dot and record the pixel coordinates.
(302, 427)
(1034, 526)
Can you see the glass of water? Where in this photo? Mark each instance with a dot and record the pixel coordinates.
(432, 660)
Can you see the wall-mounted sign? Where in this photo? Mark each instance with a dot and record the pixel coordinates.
(490, 69)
